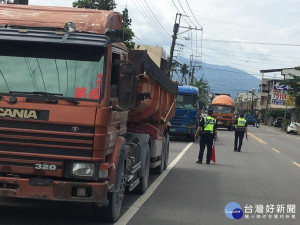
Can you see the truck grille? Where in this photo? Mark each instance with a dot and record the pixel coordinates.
(45, 139)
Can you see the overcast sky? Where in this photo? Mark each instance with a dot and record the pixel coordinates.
(251, 35)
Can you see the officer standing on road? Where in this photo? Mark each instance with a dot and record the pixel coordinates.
(240, 128)
(208, 129)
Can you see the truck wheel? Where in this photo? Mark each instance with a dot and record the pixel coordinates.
(111, 213)
(143, 185)
(166, 152)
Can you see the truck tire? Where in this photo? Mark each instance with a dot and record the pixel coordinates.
(144, 180)
(111, 213)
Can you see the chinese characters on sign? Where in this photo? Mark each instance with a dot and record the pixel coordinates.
(279, 93)
(270, 211)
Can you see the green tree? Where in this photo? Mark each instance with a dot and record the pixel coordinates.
(126, 30)
(203, 87)
(95, 4)
(126, 33)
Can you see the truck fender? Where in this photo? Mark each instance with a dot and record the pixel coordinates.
(114, 158)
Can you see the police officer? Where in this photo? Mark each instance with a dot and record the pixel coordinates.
(208, 129)
(240, 126)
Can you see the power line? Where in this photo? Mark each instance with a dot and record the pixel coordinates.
(264, 61)
(256, 27)
(148, 47)
(254, 43)
(163, 29)
(149, 21)
(186, 14)
(180, 13)
(252, 53)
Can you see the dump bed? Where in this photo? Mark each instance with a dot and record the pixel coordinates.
(157, 92)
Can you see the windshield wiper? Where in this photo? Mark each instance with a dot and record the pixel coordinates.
(36, 93)
(46, 93)
(50, 97)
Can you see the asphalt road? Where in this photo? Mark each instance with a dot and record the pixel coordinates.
(266, 173)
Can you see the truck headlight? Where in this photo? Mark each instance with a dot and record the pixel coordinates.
(83, 169)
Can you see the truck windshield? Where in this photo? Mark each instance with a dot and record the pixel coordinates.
(186, 102)
(73, 71)
(221, 109)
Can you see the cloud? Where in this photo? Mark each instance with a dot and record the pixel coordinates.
(267, 30)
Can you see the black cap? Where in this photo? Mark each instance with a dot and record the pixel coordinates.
(210, 111)
(242, 115)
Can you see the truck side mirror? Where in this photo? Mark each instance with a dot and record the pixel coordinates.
(127, 68)
(128, 91)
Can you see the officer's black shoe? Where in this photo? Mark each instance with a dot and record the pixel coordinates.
(235, 150)
(207, 162)
(199, 162)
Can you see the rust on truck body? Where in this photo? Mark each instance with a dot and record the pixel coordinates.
(86, 20)
(61, 111)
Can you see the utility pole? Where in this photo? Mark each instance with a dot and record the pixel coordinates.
(175, 32)
(192, 69)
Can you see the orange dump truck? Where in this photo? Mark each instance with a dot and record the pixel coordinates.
(81, 117)
(223, 111)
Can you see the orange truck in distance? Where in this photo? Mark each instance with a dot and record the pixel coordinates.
(223, 107)
(81, 118)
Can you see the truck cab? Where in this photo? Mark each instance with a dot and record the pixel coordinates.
(77, 123)
(185, 121)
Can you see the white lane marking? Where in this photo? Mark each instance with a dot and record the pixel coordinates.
(276, 150)
(297, 164)
(141, 200)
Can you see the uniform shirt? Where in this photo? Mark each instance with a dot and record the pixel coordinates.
(202, 124)
(240, 128)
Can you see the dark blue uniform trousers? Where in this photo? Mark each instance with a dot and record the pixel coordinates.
(238, 140)
(206, 140)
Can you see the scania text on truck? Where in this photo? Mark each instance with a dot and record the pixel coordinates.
(185, 121)
(81, 118)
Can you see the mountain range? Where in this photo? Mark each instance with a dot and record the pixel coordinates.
(222, 79)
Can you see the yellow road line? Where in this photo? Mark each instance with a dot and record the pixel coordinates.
(257, 138)
(274, 149)
(297, 164)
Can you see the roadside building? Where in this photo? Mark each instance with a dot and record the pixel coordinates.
(275, 94)
(156, 53)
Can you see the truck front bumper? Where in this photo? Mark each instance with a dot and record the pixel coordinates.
(182, 131)
(48, 189)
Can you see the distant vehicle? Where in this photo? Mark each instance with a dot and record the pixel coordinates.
(293, 127)
(251, 119)
(223, 107)
(277, 122)
(185, 121)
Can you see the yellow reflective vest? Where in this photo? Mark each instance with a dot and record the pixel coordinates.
(241, 124)
(209, 123)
